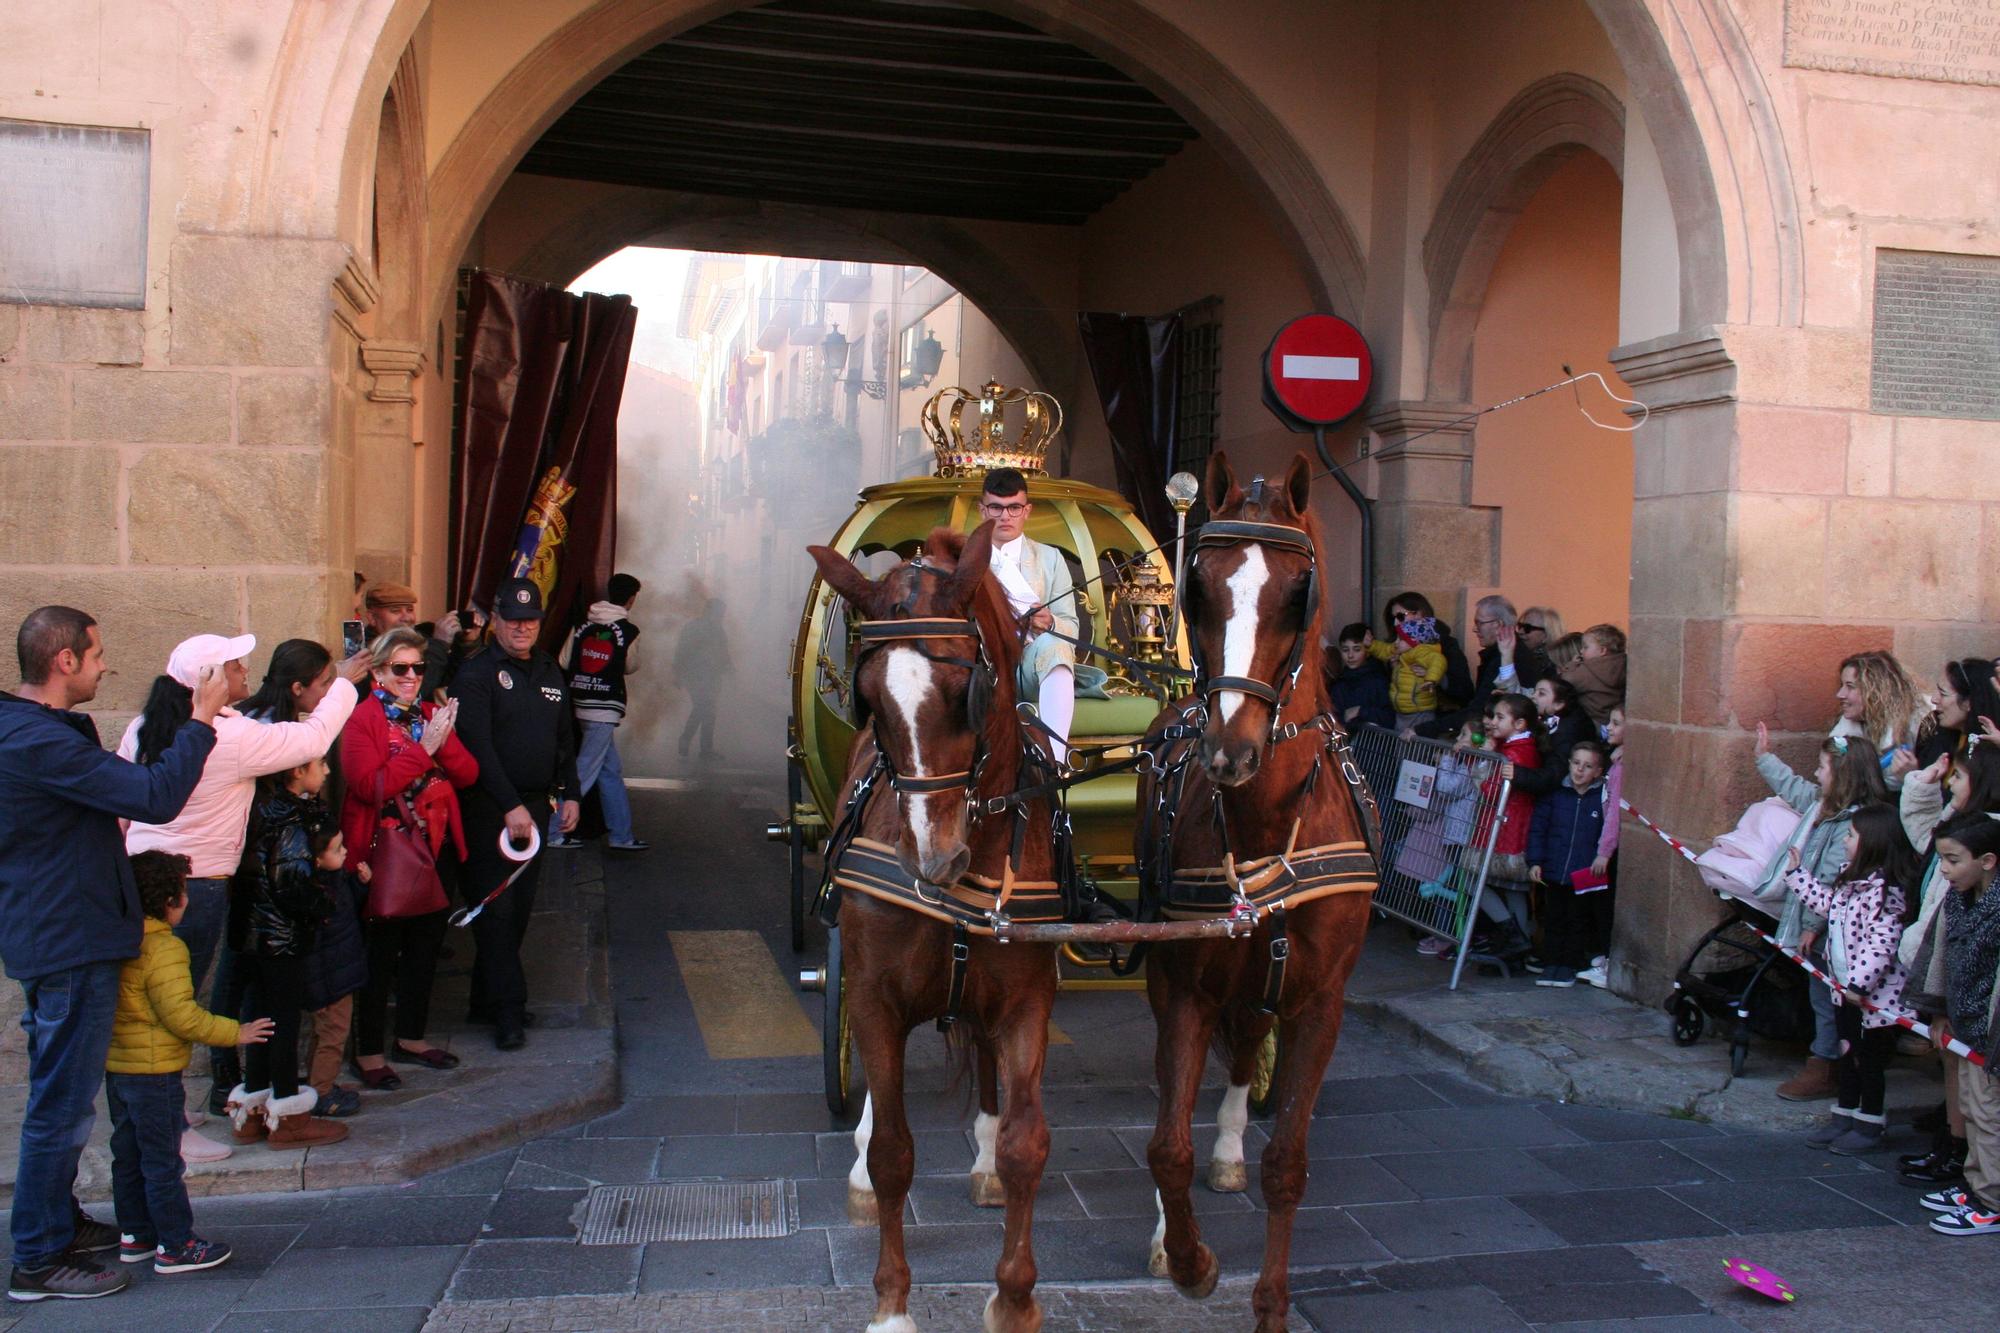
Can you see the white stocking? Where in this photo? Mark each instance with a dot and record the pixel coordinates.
(1057, 706)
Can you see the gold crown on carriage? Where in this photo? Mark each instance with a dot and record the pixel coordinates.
(971, 449)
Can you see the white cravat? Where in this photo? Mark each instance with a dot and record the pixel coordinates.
(1006, 566)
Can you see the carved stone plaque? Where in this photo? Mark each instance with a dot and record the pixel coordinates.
(73, 214)
(1936, 349)
(1949, 41)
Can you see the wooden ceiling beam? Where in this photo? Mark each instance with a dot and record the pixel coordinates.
(929, 203)
(839, 108)
(578, 128)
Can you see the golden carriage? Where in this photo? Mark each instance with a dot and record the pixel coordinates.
(1124, 593)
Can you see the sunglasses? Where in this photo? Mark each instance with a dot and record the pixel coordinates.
(1529, 627)
(1399, 616)
(404, 668)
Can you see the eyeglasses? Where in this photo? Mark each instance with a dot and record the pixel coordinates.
(405, 668)
(1004, 511)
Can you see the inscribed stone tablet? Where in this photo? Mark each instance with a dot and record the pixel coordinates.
(1937, 335)
(73, 215)
(1951, 41)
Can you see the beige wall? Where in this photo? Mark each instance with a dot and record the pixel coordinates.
(1562, 486)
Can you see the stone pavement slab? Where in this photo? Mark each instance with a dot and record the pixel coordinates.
(799, 1309)
(1905, 1278)
(1590, 1047)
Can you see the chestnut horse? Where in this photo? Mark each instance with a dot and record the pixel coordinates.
(1268, 753)
(944, 745)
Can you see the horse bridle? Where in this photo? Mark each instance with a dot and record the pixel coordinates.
(1237, 532)
(915, 630)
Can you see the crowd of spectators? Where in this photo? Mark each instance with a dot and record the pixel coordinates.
(269, 874)
(1878, 867)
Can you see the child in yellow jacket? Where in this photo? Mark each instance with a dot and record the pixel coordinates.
(1417, 666)
(152, 1036)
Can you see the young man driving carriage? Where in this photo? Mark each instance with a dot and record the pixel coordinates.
(1036, 580)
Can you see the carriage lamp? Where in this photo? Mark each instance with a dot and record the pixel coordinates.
(1149, 598)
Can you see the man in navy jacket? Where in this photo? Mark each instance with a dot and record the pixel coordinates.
(69, 918)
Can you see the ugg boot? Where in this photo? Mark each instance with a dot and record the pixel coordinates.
(247, 1113)
(293, 1125)
(1811, 1084)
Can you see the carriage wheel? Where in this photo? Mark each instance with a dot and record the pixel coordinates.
(836, 1034)
(1264, 1079)
(794, 793)
(1688, 1020)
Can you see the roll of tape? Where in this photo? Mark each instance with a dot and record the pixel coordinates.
(513, 853)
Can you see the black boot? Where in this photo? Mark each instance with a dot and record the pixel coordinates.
(228, 1073)
(1510, 942)
(1940, 1140)
(1943, 1167)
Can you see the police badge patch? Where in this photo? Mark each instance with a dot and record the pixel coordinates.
(506, 681)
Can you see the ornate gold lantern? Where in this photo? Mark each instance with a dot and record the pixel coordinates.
(972, 449)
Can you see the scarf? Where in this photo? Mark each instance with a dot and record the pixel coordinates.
(405, 717)
(1971, 955)
(1006, 567)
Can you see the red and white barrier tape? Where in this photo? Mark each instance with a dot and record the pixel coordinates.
(1956, 1047)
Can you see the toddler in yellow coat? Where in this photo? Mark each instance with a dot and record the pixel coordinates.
(1417, 666)
(152, 1037)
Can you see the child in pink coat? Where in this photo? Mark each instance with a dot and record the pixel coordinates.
(1866, 908)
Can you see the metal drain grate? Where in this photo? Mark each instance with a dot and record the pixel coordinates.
(708, 1210)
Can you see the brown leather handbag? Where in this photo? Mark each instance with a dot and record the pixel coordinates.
(403, 876)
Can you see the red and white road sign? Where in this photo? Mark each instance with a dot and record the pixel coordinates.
(1318, 369)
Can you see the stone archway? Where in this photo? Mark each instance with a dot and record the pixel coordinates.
(1545, 125)
(1124, 32)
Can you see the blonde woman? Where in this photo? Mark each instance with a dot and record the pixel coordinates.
(1541, 626)
(1880, 702)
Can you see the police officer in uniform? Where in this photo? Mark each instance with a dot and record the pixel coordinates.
(514, 715)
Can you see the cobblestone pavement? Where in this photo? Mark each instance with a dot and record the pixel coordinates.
(1434, 1203)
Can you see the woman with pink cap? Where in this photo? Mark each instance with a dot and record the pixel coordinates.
(209, 830)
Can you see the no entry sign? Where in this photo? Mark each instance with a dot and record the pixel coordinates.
(1317, 371)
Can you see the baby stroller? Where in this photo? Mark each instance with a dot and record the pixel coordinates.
(1732, 975)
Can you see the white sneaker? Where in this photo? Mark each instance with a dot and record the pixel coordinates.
(196, 1148)
(1600, 961)
(1594, 976)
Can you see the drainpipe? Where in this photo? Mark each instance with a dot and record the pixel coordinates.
(1366, 507)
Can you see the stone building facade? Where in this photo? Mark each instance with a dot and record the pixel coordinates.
(270, 409)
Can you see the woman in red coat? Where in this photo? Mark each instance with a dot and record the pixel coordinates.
(393, 745)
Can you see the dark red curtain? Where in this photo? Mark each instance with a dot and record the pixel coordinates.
(541, 373)
(1135, 362)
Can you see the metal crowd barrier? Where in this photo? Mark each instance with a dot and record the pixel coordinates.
(1440, 810)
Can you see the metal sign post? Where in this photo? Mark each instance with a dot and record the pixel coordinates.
(1317, 372)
